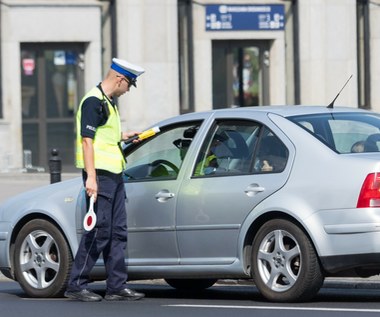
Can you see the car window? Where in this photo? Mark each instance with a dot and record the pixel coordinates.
(344, 132)
(349, 134)
(228, 149)
(161, 157)
(271, 155)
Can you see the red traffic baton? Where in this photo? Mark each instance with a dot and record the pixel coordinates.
(89, 220)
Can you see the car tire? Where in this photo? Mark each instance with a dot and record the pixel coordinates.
(285, 266)
(42, 259)
(191, 284)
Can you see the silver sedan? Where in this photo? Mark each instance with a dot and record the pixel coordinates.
(284, 196)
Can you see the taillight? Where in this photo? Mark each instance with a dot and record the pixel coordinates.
(370, 192)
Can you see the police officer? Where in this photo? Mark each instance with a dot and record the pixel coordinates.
(101, 160)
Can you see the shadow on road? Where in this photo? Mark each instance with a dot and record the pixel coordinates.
(231, 293)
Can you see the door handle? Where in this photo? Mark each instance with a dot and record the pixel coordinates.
(164, 195)
(253, 189)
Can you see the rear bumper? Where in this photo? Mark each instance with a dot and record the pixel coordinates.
(346, 238)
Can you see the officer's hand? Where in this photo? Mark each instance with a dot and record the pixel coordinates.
(92, 187)
(129, 134)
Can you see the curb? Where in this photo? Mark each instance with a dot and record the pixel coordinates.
(372, 282)
(353, 283)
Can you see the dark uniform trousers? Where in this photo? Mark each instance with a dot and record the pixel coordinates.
(109, 236)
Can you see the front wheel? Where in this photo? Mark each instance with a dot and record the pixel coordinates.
(42, 259)
(285, 265)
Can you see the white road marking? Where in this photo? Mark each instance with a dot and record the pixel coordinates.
(280, 308)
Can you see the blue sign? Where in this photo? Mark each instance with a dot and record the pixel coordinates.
(242, 17)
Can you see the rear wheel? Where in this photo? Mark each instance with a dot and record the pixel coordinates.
(191, 284)
(284, 263)
(42, 259)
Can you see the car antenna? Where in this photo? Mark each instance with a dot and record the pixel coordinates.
(331, 105)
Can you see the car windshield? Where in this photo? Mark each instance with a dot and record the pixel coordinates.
(344, 132)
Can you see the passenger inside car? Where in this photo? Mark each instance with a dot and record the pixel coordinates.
(364, 146)
(272, 155)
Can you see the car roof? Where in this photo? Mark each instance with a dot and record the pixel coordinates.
(284, 111)
(295, 110)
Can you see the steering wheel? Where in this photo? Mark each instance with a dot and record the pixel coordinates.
(167, 163)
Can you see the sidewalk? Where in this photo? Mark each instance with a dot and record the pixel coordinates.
(14, 183)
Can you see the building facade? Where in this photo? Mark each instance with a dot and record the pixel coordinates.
(198, 55)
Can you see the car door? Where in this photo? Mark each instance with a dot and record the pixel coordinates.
(237, 167)
(152, 185)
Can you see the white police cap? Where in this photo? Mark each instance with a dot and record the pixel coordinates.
(127, 69)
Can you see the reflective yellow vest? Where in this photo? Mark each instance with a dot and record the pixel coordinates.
(107, 153)
(200, 168)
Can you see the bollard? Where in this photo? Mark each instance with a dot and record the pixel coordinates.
(55, 166)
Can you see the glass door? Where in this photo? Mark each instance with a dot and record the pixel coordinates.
(240, 73)
(52, 83)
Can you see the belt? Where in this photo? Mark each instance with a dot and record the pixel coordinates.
(100, 172)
